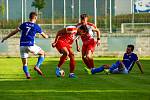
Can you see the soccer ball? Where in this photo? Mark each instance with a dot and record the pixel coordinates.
(62, 73)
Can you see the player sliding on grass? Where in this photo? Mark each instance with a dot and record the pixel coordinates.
(86, 31)
(28, 31)
(63, 42)
(124, 66)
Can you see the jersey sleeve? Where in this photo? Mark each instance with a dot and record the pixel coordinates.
(21, 27)
(135, 57)
(38, 29)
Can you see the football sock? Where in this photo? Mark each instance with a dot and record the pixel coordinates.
(40, 61)
(91, 63)
(72, 65)
(97, 70)
(62, 60)
(26, 71)
(86, 62)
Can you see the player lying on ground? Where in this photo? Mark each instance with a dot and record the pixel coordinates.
(28, 31)
(86, 31)
(63, 42)
(123, 67)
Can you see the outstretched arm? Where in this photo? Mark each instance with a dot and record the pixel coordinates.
(140, 66)
(10, 34)
(44, 35)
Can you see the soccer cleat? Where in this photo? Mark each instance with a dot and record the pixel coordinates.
(72, 75)
(106, 71)
(58, 74)
(38, 71)
(28, 75)
(88, 70)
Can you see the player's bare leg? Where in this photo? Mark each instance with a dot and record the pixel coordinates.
(41, 54)
(64, 51)
(25, 68)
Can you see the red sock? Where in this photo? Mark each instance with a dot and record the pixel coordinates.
(86, 62)
(62, 60)
(72, 65)
(91, 62)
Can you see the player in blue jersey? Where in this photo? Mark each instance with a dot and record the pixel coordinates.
(124, 66)
(28, 32)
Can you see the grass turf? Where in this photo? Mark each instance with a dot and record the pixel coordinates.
(14, 86)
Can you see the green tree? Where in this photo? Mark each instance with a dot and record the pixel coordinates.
(2, 8)
(38, 4)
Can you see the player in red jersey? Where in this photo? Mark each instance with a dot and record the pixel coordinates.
(86, 31)
(63, 42)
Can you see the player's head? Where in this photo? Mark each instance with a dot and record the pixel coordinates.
(83, 29)
(33, 16)
(71, 29)
(84, 18)
(130, 48)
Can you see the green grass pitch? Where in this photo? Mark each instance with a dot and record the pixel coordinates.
(14, 86)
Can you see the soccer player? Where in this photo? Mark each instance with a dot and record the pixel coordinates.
(28, 31)
(86, 31)
(124, 66)
(63, 42)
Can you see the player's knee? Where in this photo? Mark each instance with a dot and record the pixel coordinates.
(88, 56)
(65, 53)
(41, 52)
(83, 57)
(71, 55)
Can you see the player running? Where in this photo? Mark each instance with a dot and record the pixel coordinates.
(28, 31)
(63, 42)
(86, 31)
(123, 67)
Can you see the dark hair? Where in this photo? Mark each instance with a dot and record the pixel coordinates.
(84, 28)
(131, 46)
(32, 15)
(82, 16)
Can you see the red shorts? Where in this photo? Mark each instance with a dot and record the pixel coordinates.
(61, 44)
(89, 45)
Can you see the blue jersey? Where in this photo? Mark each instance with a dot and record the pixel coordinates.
(28, 32)
(129, 60)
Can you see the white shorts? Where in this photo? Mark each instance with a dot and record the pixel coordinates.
(117, 71)
(24, 50)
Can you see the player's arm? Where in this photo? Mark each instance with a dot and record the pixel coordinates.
(44, 35)
(95, 29)
(59, 33)
(10, 34)
(77, 45)
(140, 66)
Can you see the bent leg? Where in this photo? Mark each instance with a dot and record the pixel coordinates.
(63, 58)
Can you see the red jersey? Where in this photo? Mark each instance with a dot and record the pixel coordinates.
(85, 37)
(68, 38)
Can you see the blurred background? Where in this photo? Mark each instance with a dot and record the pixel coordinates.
(121, 22)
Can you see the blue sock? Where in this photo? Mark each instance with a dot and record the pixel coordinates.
(114, 66)
(25, 69)
(97, 70)
(40, 61)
